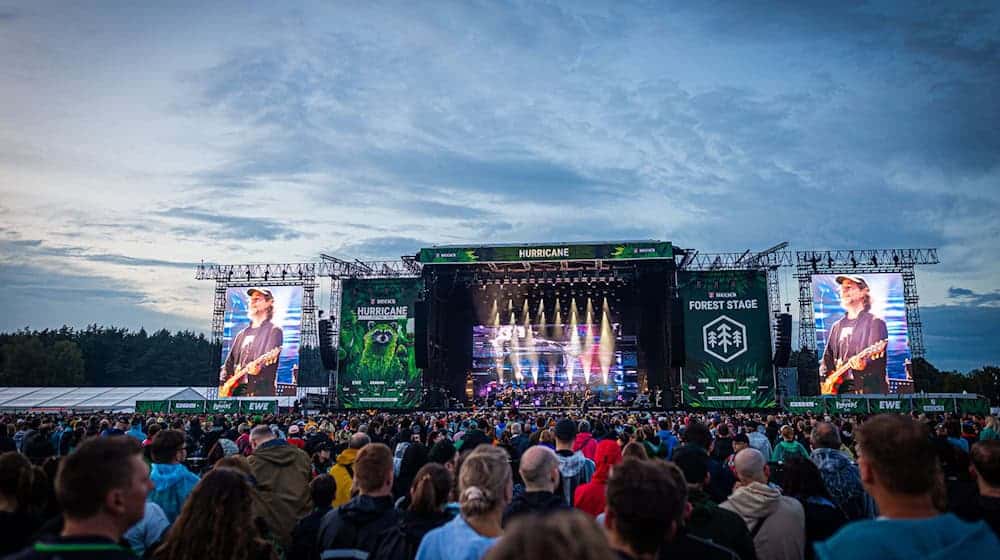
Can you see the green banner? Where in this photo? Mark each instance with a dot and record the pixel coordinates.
(187, 407)
(144, 407)
(815, 405)
(548, 252)
(979, 406)
(847, 405)
(889, 403)
(933, 404)
(727, 340)
(228, 406)
(258, 407)
(377, 363)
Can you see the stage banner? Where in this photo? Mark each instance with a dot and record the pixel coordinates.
(230, 406)
(933, 404)
(547, 252)
(258, 407)
(979, 406)
(144, 407)
(889, 403)
(187, 407)
(847, 405)
(815, 405)
(727, 340)
(377, 363)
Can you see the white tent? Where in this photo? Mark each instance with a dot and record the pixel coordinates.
(88, 398)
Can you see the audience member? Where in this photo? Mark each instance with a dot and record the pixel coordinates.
(840, 475)
(485, 487)
(102, 488)
(19, 510)
(563, 534)
(322, 489)
(900, 469)
(590, 497)
(706, 519)
(802, 481)
(574, 468)
(788, 446)
(985, 469)
(428, 497)
(642, 511)
(352, 529)
(173, 481)
(282, 473)
(216, 522)
(776, 523)
(342, 470)
(539, 469)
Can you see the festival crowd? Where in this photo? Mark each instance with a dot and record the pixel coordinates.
(499, 484)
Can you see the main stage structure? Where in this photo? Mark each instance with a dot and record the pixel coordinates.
(643, 287)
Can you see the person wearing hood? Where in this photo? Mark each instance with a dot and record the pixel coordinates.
(283, 473)
(574, 468)
(413, 459)
(321, 489)
(585, 442)
(777, 523)
(590, 497)
(428, 496)
(705, 519)
(899, 468)
(840, 475)
(539, 468)
(171, 479)
(343, 468)
(352, 530)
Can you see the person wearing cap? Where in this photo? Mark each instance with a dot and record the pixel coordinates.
(256, 340)
(857, 330)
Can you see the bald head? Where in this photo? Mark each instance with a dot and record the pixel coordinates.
(750, 465)
(359, 440)
(539, 468)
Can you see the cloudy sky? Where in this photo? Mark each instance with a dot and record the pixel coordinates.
(139, 138)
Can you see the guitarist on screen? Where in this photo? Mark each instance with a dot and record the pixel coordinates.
(253, 342)
(857, 330)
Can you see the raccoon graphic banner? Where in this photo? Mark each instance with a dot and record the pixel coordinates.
(377, 364)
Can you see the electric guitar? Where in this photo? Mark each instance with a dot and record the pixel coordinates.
(835, 379)
(240, 374)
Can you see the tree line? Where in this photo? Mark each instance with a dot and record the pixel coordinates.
(113, 356)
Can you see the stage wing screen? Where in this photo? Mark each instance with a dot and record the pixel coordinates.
(861, 332)
(377, 361)
(260, 341)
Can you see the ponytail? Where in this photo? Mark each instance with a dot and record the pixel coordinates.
(430, 488)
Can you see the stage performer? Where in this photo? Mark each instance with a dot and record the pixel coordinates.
(853, 333)
(260, 339)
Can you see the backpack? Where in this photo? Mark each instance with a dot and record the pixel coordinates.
(394, 545)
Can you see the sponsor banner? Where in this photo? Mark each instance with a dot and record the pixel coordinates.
(815, 405)
(230, 406)
(144, 407)
(548, 252)
(258, 407)
(847, 405)
(377, 360)
(889, 403)
(187, 407)
(727, 340)
(979, 406)
(933, 404)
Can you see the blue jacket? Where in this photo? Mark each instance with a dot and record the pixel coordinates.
(943, 537)
(173, 484)
(454, 540)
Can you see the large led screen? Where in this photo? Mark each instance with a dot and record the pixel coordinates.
(860, 332)
(260, 341)
(549, 354)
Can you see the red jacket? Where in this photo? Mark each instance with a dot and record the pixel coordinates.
(590, 497)
(586, 443)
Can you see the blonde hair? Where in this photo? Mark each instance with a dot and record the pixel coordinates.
(483, 481)
(991, 423)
